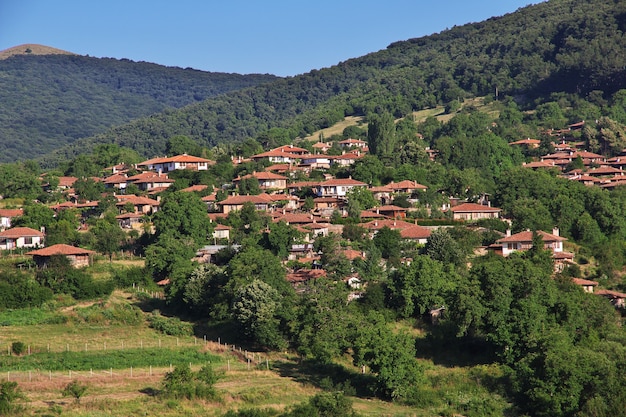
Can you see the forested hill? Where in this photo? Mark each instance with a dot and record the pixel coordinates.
(48, 101)
(559, 46)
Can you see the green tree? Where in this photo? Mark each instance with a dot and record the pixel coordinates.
(249, 186)
(388, 242)
(168, 255)
(18, 182)
(35, 216)
(181, 144)
(254, 309)
(109, 236)
(381, 135)
(363, 196)
(442, 247)
(390, 356)
(203, 292)
(279, 238)
(88, 189)
(422, 285)
(184, 215)
(255, 263)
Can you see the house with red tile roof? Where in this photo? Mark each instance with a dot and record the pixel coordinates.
(148, 181)
(406, 187)
(587, 285)
(347, 158)
(337, 187)
(7, 215)
(118, 181)
(352, 143)
(474, 211)
(375, 225)
(292, 149)
(65, 183)
(416, 233)
(142, 205)
(235, 202)
(20, 237)
(618, 299)
(391, 211)
(278, 157)
(322, 147)
(222, 232)
(132, 221)
(522, 241)
(315, 161)
(267, 180)
(78, 257)
(302, 276)
(173, 163)
(529, 143)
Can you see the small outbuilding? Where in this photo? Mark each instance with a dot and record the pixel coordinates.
(78, 257)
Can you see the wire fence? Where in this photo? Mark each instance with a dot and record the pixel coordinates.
(106, 345)
(38, 375)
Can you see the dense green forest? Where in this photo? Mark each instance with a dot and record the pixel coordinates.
(558, 46)
(48, 101)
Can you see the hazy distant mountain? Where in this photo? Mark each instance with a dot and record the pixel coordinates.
(49, 98)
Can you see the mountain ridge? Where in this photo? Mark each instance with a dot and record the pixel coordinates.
(561, 46)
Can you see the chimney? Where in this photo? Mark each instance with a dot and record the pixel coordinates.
(508, 232)
(555, 231)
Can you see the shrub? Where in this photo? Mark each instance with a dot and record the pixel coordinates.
(18, 348)
(125, 278)
(9, 393)
(74, 389)
(183, 383)
(169, 325)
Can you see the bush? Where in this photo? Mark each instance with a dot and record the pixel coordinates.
(9, 393)
(18, 348)
(183, 383)
(74, 389)
(169, 325)
(128, 277)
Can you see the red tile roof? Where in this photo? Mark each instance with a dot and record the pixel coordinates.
(236, 200)
(304, 275)
(184, 158)
(406, 184)
(11, 212)
(17, 232)
(415, 232)
(195, 188)
(527, 236)
(475, 208)
(60, 249)
(342, 181)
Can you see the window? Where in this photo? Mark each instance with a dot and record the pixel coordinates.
(28, 240)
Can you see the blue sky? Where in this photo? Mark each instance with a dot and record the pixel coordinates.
(244, 36)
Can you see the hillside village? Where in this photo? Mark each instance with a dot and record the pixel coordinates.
(283, 190)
